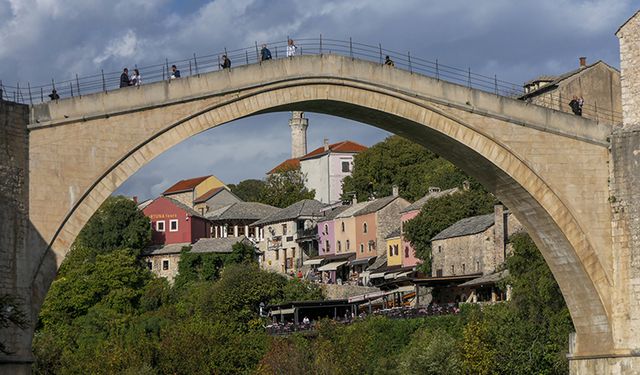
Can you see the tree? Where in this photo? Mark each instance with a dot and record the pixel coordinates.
(398, 161)
(117, 224)
(438, 214)
(250, 190)
(285, 187)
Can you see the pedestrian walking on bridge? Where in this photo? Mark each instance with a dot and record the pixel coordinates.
(265, 54)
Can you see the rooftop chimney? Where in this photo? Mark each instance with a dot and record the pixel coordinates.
(395, 190)
(326, 144)
(583, 62)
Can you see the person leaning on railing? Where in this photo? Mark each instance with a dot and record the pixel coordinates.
(226, 63)
(388, 61)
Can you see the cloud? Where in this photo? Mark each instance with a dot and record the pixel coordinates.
(124, 46)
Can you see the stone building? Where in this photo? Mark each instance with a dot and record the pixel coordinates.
(214, 199)
(290, 236)
(598, 84)
(408, 252)
(163, 260)
(474, 245)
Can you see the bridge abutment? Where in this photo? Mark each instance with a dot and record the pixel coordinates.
(14, 232)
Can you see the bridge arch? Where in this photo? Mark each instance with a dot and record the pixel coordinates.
(482, 134)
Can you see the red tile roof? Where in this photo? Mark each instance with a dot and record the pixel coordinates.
(185, 185)
(343, 147)
(205, 197)
(287, 164)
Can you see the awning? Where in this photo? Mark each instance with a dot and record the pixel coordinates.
(312, 262)
(282, 312)
(402, 274)
(331, 266)
(358, 262)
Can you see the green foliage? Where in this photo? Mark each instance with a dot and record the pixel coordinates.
(478, 355)
(114, 280)
(285, 187)
(250, 190)
(206, 266)
(438, 214)
(398, 161)
(117, 224)
(431, 352)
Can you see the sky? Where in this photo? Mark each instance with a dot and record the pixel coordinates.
(515, 39)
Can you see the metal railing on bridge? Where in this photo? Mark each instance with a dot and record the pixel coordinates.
(194, 65)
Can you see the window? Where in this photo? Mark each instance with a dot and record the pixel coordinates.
(339, 247)
(453, 269)
(284, 229)
(348, 245)
(173, 225)
(390, 250)
(477, 265)
(343, 226)
(150, 265)
(293, 252)
(362, 248)
(464, 267)
(439, 273)
(326, 246)
(396, 251)
(326, 229)
(277, 254)
(160, 226)
(439, 249)
(364, 227)
(370, 247)
(406, 251)
(345, 166)
(165, 264)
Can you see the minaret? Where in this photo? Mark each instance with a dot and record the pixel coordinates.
(298, 126)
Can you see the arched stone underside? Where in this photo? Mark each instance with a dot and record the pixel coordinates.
(536, 164)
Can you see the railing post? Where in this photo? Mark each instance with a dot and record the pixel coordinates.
(409, 58)
(78, 84)
(321, 44)
(71, 87)
(246, 54)
(258, 59)
(30, 97)
(195, 62)
(350, 48)
(104, 84)
(163, 76)
(380, 49)
(166, 64)
(469, 77)
(190, 72)
(437, 71)
(18, 92)
(276, 50)
(495, 81)
(1, 91)
(41, 95)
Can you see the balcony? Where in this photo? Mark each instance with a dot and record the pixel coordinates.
(307, 234)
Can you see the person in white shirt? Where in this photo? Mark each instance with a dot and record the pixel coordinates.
(291, 48)
(136, 78)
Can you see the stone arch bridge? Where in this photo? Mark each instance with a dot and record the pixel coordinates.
(555, 171)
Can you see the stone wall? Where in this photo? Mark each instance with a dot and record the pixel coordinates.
(14, 223)
(156, 261)
(629, 37)
(334, 291)
(388, 220)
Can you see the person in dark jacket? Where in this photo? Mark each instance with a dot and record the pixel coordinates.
(54, 95)
(124, 78)
(575, 106)
(265, 54)
(226, 63)
(175, 73)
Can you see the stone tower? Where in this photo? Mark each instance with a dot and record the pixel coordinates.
(299, 126)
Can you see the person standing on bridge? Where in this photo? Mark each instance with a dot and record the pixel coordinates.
(175, 73)
(575, 105)
(265, 54)
(124, 78)
(136, 79)
(388, 61)
(226, 63)
(291, 48)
